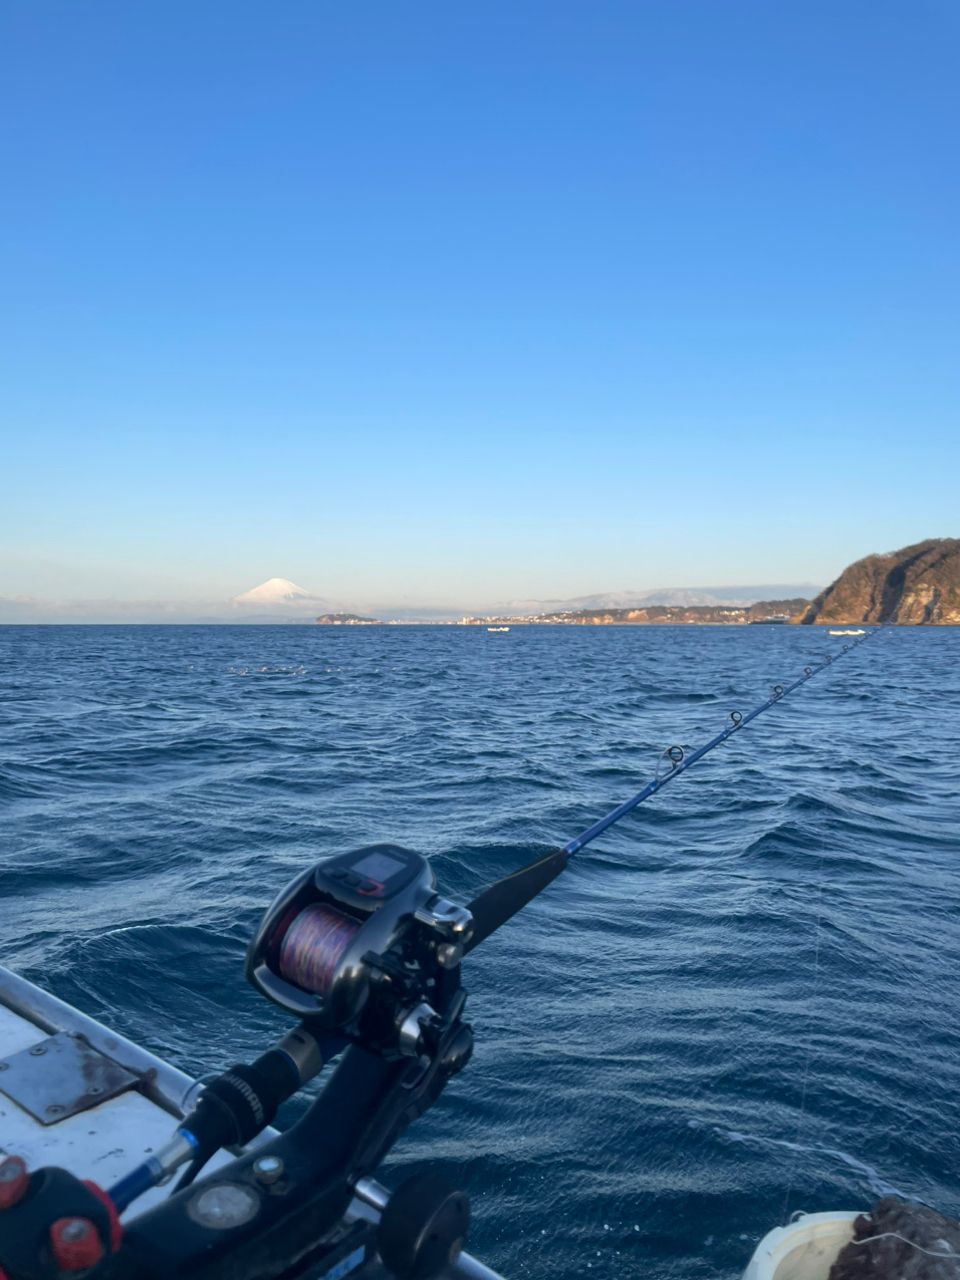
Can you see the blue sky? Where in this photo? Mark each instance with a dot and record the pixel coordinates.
(457, 303)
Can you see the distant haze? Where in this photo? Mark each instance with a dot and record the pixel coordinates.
(684, 596)
(281, 600)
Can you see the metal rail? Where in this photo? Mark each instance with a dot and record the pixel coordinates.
(164, 1085)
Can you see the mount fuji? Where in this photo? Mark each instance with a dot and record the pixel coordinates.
(274, 591)
(278, 600)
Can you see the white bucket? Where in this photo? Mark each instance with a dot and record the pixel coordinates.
(805, 1250)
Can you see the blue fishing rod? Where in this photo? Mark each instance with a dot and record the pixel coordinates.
(505, 898)
(680, 761)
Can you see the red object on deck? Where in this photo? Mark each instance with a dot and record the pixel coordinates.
(75, 1244)
(14, 1180)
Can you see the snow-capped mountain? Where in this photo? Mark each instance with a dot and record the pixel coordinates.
(278, 600)
(274, 591)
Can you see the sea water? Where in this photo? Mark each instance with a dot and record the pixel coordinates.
(740, 1002)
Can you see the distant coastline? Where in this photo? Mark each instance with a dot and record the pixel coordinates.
(765, 611)
(918, 585)
(775, 612)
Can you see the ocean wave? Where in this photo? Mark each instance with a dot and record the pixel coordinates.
(768, 948)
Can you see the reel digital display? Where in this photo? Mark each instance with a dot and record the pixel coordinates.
(371, 916)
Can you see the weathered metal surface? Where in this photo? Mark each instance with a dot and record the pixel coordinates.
(162, 1083)
(61, 1076)
(103, 1143)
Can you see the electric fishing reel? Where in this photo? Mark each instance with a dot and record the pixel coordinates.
(362, 946)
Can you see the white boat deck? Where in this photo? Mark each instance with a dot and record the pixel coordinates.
(102, 1143)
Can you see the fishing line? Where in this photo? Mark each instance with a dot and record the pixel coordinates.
(312, 948)
(895, 1235)
(675, 761)
(801, 1119)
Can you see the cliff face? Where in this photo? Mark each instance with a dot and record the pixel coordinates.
(920, 584)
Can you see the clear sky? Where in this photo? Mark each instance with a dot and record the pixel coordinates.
(448, 302)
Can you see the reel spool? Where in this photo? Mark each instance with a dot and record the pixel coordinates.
(361, 921)
(313, 946)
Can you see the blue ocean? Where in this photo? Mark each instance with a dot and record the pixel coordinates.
(740, 1002)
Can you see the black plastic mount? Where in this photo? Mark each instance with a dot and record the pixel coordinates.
(252, 1228)
(423, 1228)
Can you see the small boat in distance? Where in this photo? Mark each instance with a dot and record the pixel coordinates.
(853, 632)
(498, 628)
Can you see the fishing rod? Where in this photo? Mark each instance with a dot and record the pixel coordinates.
(508, 896)
(680, 761)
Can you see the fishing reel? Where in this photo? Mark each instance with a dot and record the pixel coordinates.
(362, 947)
